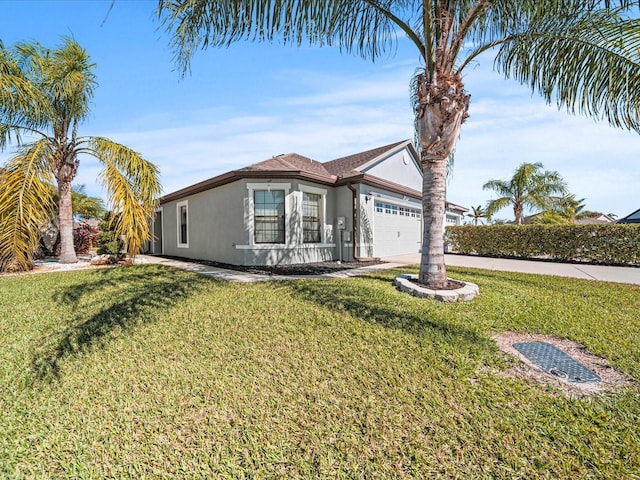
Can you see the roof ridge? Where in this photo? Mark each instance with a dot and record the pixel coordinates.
(342, 165)
(293, 162)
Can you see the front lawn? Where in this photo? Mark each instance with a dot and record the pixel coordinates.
(151, 372)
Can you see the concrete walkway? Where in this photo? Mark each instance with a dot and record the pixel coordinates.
(573, 270)
(236, 276)
(589, 272)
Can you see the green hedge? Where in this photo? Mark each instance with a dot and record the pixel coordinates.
(613, 244)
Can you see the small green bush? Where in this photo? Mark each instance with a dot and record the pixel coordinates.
(614, 244)
(108, 243)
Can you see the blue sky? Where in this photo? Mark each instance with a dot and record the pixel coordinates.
(245, 103)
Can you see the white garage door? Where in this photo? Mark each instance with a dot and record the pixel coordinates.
(396, 230)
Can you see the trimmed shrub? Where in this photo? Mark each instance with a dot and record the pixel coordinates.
(108, 243)
(613, 244)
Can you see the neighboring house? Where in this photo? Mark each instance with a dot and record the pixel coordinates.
(526, 220)
(292, 209)
(454, 214)
(631, 218)
(598, 219)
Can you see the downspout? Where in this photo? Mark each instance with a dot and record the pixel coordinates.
(355, 236)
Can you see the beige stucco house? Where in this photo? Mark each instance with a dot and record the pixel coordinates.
(292, 209)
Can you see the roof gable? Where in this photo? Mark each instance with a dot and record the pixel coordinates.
(351, 164)
(633, 217)
(399, 165)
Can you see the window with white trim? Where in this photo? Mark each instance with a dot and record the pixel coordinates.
(182, 209)
(311, 220)
(389, 209)
(268, 216)
(313, 213)
(451, 220)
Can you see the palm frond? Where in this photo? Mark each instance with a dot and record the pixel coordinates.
(494, 206)
(23, 106)
(26, 202)
(361, 26)
(133, 188)
(587, 64)
(501, 187)
(85, 206)
(43, 90)
(70, 80)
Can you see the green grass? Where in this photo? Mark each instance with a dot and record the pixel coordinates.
(150, 372)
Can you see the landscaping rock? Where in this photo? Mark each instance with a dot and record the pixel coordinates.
(466, 292)
(104, 260)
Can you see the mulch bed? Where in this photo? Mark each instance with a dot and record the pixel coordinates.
(318, 268)
(451, 285)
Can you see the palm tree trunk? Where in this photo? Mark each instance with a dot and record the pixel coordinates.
(518, 212)
(441, 108)
(67, 250)
(432, 268)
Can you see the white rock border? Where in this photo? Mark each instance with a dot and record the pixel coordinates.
(405, 283)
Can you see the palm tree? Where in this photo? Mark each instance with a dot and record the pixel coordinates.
(84, 206)
(551, 217)
(576, 207)
(44, 96)
(530, 187)
(568, 207)
(581, 54)
(478, 213)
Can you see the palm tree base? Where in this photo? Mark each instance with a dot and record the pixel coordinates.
(64, 260)
(408, 283)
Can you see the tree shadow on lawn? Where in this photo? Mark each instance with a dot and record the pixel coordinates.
(125, 297)
(425, 318)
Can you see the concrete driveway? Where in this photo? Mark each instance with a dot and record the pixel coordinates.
(589, 272)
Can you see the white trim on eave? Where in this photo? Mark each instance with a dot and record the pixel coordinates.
(389, 153)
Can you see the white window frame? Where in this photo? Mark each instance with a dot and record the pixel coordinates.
(252, 187)
(184, 203)
(323, 211)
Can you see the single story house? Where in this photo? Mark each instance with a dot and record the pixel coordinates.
(292, 209)
(601, 219)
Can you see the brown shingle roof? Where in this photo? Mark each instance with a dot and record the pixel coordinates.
(453, 206)
(290, 162)
(347, 166)
(298, 166)
(599, 219)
